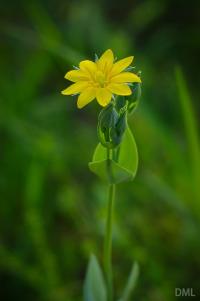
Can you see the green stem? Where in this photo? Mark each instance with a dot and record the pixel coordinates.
(108, 239)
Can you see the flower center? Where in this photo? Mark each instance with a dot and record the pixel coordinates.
(101, 78)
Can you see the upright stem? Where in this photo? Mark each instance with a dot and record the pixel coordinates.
(108, 239)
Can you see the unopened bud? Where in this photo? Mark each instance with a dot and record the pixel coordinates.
(111, 126)
(133, 100)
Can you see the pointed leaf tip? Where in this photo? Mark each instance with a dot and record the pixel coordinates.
(131, 282)
(94, 285)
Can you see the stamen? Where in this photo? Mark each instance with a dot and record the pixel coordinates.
(100, 78)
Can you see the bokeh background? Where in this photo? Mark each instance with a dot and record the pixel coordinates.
(52, 210)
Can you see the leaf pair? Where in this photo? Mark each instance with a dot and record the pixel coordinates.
(94, 285)
(122, 167)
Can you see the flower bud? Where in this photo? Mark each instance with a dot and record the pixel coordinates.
(135, 97)
(120, 128)
(120, 103)
(111, 126)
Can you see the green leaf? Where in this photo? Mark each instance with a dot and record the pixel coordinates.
(131, 283)
(123, 168)
(94, 285)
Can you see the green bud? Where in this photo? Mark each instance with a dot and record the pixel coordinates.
(111, 126)
(120, 103)
(133, 100)
(120, 128)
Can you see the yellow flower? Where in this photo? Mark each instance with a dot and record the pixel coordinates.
(101, 79)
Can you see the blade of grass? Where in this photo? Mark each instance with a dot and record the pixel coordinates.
(132, 280)
(191, 131)
(49, 34)
(32, 38)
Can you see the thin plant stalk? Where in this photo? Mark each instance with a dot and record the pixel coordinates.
(108, 238)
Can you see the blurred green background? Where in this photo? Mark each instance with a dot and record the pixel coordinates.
(52, 211)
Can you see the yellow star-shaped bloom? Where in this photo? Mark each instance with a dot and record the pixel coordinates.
(101, 79)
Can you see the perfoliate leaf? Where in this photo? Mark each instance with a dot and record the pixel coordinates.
(94, 285)
(132, 279)
(122, 167)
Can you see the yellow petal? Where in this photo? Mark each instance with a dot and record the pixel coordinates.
(88, 67)
(121, 65)
(85, 97)
(75, 88)
(76, 75)
(105, 62)
(103, 96)
(126, 77)
(119, 89)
